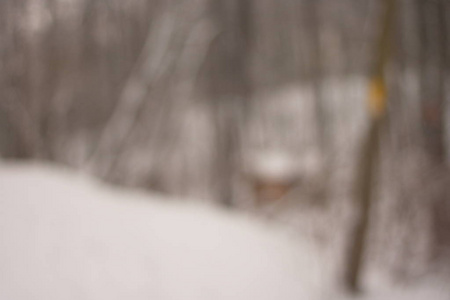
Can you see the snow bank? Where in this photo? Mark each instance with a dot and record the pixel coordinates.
(65, 236)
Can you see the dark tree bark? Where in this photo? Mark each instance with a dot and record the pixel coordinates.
(369, 153)
(432, 32)
(313, 23)
(229, 86)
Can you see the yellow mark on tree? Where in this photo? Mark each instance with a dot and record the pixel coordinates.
(377, 98)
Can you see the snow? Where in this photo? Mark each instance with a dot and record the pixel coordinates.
(65, 236)
(274, 166)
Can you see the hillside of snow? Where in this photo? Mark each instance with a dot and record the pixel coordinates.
(64, 236)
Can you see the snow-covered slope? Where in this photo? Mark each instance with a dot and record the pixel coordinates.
(64, 236)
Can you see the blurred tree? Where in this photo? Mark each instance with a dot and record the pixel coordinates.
(114, 85)
(369, 156)
(432, 16)
(229, 86)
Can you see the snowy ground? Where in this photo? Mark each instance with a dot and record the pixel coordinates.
(65, 236)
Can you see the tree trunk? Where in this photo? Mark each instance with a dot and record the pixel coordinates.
(229, 86)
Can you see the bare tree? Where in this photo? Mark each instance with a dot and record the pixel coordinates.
(229, 86)
(369, 153)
